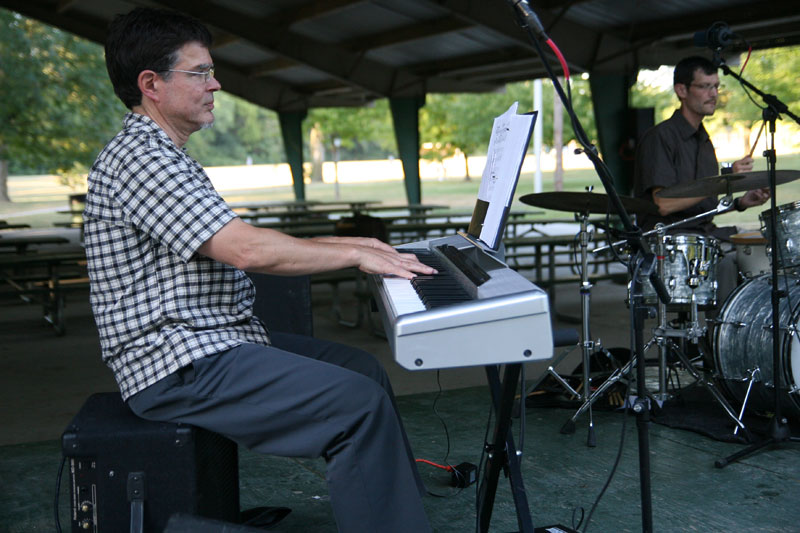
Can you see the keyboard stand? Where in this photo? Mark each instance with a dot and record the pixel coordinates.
(499, 457)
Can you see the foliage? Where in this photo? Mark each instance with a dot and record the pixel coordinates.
(761, 70)
(242, 132)
(769, 70)
(58, 107)
(365, 132)
(464, 121)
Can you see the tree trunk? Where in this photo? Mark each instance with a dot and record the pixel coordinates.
(558, 143)
(466, 168)
(317, 149)
(748, 132)
(4, 181)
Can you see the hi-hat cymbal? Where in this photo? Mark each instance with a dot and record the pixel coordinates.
(586, 202)
(716, 185)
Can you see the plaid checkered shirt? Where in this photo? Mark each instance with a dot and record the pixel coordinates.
(158, 304)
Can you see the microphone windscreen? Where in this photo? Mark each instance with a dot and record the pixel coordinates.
(701, 38)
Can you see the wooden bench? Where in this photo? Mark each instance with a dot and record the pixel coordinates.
(546, 250)
(361, 292)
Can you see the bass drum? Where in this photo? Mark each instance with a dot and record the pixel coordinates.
(743, 341)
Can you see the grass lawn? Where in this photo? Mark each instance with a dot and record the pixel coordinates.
(36, 198)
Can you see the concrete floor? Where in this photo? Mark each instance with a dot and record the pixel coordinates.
(44, 380)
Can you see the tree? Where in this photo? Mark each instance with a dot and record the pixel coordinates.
(773, 72)
(464, 121)
(58, 108)
(365, 132)
(242, 132)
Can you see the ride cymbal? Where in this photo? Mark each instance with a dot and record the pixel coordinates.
(727, 183)
(586, 202)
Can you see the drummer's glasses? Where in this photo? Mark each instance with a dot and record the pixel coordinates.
(706, 87)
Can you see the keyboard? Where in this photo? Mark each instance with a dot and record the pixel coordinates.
(475, 311)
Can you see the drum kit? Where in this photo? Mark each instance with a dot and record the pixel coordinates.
(741, 369)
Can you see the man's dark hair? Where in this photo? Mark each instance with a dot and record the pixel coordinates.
(147, 39)
(685, 69)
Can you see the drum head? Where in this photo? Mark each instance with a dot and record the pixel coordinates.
(743, 343)
(748, 238)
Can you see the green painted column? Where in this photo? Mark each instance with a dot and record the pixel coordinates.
(405, 114)
(292, 133)
(613, 119)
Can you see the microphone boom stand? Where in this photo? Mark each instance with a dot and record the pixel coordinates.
(640, 252)
(778, 431)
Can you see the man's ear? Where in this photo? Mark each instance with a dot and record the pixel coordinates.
(148, 82)
(681, 90)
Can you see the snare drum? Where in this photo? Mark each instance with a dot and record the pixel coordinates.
(751, 254)
(680, 253)
(787, 221)
(743, 341)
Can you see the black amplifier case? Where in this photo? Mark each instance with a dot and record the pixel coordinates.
(130, 474)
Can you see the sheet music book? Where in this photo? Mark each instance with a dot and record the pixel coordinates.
(511, 134)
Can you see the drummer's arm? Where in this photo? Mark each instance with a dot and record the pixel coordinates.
(667, 206)
(752, 198)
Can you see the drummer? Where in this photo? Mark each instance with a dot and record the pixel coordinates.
(678, 150)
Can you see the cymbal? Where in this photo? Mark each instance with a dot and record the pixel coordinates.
(716, 185)
(586, 202)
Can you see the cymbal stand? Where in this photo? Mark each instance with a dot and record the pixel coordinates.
(588, 345)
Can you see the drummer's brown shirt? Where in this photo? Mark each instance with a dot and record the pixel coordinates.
(671, 153)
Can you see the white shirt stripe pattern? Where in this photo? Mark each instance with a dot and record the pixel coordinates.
(158, 304)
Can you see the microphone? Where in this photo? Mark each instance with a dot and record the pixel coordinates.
(718, 36)
(528, 17)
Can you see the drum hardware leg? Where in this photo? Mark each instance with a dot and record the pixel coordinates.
(551, 371)
(751, 379)
(587, 345)
(569, 425)
(712, 389)
(661, 314)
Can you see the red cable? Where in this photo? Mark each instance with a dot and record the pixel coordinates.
(560, 57)
(448, 468)
(749, 51)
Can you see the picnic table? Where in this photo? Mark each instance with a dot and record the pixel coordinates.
(20, 243)
(40, 276)
(303, 205)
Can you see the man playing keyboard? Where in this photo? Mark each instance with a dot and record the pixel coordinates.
(173, 305)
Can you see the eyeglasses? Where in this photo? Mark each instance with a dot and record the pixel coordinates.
(207, 74)
(706, 87)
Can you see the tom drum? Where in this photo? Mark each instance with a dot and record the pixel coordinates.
(682, 253)
(787, 222)
(751, 254)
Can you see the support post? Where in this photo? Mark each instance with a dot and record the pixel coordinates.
(405, 115)
(292, 133)
(612, 117)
